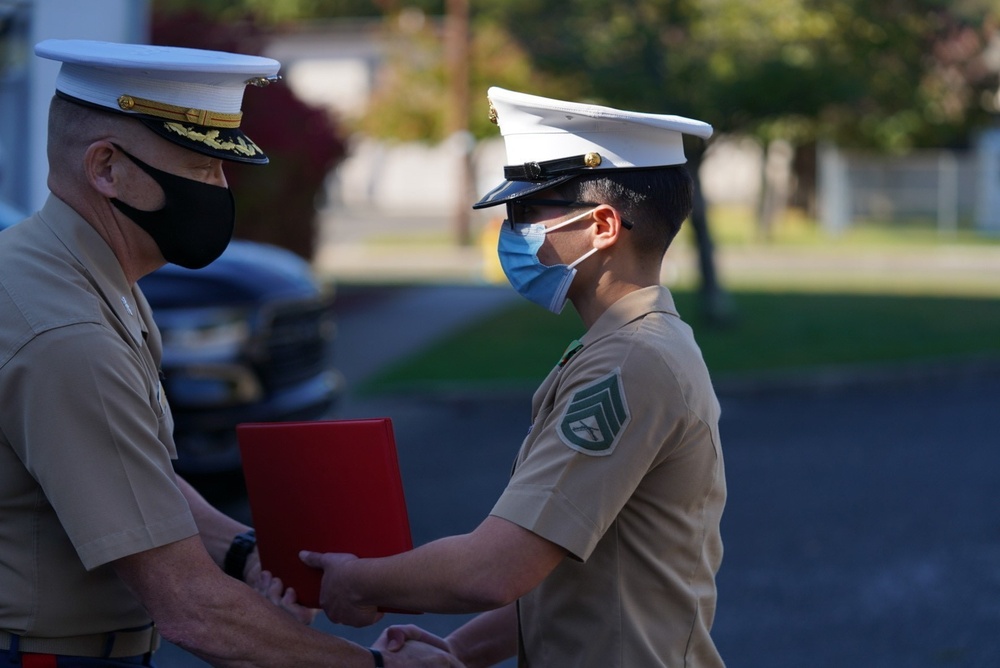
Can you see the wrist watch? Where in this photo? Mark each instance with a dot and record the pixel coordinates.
(236, 557)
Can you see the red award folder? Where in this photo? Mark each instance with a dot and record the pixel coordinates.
(325, 486)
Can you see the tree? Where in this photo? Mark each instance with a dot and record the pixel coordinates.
(435, 80)
(884, 75)
(275, 204)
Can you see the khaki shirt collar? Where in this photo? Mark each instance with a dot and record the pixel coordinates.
(633, 305)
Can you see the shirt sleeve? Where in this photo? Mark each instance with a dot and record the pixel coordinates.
(570, 492)
(89, 426)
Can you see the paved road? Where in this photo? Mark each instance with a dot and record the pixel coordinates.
(862, 527)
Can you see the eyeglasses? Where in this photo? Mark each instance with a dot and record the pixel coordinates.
(520, 210)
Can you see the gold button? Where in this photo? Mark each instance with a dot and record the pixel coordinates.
(592, 159)
(125, 102)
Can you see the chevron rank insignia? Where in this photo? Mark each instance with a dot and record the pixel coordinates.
(595, 417)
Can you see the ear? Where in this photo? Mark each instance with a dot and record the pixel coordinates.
(101, 168)
(607, 226)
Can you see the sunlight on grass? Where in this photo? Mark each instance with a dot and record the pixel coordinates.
(773, 331)
(737, 226)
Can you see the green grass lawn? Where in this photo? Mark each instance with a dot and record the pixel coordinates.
(773, 331)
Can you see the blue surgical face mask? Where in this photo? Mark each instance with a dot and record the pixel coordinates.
(544, 285)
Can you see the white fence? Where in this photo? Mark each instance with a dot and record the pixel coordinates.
(949, 189)
(423, 179)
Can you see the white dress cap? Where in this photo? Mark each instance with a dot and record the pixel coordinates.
(192, 97)
(550, 141)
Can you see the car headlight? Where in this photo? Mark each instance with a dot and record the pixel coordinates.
(209, 333)
(205, 356)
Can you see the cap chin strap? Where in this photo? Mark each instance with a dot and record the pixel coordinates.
(540, 171)
(172, 112)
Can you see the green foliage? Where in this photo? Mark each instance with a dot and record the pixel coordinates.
(888, 75)
(409, 98)
(282, 11)
(410, 101)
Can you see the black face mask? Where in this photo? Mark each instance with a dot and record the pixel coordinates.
(196, 222)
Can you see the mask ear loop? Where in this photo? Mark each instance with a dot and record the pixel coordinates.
(570, 221)
(582, 258)
(573, 220)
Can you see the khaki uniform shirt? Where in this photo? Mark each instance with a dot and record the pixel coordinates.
(85, 431)
(623, 469)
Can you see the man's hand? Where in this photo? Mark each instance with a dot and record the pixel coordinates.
(416, 653)
(394, 637)
(274, 590)
(335, 594)
(251, 571)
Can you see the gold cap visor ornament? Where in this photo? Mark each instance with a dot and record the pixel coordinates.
(549, 142)
(191, 97)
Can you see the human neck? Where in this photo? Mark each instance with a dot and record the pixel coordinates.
(137, 255)
(593, 303)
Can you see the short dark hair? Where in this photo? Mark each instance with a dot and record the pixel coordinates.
(656, 201)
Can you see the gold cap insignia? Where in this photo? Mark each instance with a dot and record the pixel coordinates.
(239, 145)
(261, 82)
(493, 114)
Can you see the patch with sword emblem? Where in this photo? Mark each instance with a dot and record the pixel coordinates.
(596, 416)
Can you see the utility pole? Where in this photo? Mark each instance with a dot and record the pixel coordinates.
(457, 55)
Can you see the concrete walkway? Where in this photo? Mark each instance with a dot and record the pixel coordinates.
(379, 325)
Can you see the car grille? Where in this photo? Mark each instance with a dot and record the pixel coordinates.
(296, 342)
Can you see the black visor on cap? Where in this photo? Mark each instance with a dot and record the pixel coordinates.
(531, 177)
(511, 190)
(223, 143)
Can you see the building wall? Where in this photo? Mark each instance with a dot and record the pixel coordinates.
(24, 100)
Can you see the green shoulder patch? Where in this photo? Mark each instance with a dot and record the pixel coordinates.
(596, 416)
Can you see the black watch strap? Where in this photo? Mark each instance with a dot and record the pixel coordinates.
(236, 557)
